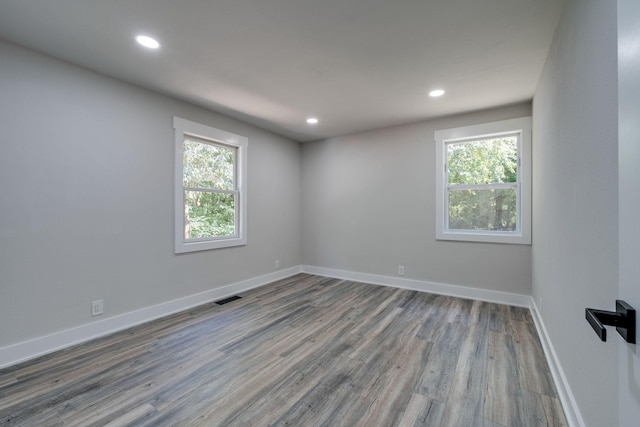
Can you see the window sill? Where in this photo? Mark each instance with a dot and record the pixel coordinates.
(205, 245)
(483, 237)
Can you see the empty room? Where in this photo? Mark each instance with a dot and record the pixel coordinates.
(338, 213)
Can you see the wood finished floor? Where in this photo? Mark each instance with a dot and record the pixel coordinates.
(304, 351)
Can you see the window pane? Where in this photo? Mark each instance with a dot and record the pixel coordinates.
(485, 161)
(482, 209)
(207, 165)
(208, 214)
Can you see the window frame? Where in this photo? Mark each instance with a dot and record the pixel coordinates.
(186, 128)
(522, 234)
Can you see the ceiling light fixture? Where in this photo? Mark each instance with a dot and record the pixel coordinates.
(147, 41)
(436, 93)
(312, 121)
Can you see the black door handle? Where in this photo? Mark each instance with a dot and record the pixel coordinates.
(624, 319)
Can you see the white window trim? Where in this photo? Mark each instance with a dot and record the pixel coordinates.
(523, 234)
(185, 127)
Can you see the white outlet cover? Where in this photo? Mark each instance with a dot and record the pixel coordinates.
(97, 307)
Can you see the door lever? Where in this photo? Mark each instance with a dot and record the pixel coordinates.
(624, 319)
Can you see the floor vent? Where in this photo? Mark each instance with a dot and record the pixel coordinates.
(226, 300)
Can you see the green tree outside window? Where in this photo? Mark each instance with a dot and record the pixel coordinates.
(482, 178)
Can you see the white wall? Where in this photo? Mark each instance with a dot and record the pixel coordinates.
(575, 204)
(369, 206)
(86, 199)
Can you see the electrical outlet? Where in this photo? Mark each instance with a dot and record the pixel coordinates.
(401, 270)
(277, 264)
(97, 307)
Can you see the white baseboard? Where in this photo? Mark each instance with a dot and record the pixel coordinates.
(36, 347)
(422, 286)
(571, 410)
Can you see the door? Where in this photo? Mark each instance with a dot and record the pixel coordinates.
(629, 200)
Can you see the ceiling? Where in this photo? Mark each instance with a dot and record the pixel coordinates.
(353, 64)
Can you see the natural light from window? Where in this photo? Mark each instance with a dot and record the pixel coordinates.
(210, 187)
(483, 182)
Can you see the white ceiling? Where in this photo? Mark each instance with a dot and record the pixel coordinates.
(354, 64)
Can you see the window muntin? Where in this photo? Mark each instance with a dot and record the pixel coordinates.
(210, 210)
(483, 183)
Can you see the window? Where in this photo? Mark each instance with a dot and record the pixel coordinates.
(210, 187)
(483, 180)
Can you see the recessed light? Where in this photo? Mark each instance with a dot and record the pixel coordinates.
(436, 93)
(147, 41)
(312, 121)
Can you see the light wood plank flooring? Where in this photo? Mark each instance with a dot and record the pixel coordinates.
(304, 351)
